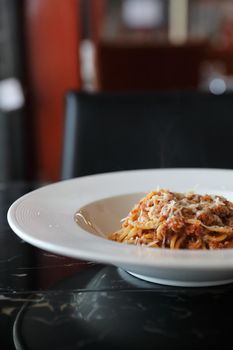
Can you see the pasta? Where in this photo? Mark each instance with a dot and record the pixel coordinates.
(165, 219)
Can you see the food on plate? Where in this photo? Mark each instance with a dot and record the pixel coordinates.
(165, 219)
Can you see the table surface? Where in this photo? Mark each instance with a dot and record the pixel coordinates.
(53, 302)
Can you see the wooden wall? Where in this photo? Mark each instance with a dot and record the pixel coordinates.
(97, 13)
(52, 30)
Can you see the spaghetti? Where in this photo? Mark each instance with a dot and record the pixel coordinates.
(165, 219)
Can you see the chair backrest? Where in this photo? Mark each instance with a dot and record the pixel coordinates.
(122, 131)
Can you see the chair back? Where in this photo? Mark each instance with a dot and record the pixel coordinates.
(107, 132)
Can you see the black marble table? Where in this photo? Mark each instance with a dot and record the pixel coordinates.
(53, 302)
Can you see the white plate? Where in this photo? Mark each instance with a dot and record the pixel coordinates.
(45, 218)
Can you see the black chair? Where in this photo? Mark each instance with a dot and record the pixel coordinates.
(122, 131)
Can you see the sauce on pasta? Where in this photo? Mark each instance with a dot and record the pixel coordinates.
(165, 219)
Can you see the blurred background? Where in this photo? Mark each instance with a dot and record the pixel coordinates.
(48, 47)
